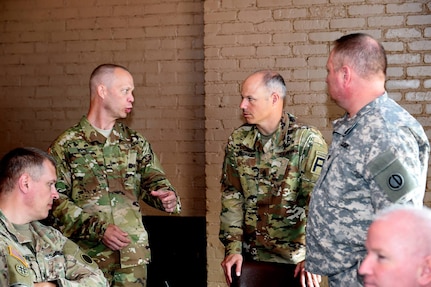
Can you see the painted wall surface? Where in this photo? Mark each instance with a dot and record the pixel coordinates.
(188, 59)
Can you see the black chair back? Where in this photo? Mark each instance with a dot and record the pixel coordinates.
(266, 274)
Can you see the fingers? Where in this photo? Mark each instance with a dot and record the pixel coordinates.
(114, 238)
(168, 199)
(228, 262)
(313, 280)
(309, 279)
(299, 268)
(228, 275)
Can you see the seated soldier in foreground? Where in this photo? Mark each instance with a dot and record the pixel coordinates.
(32, 254)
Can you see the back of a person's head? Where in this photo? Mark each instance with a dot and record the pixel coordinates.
(18, 161)
(365, 55)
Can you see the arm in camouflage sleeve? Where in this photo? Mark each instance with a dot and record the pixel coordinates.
(153, 178)
(81, 270)
(3, 269)
(232, 201)
(397, 171)
(314, 150)
(70, 219)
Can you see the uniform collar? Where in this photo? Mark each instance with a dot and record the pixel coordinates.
(345, 124)
(92, 135)
(252, 139)
(11, 229)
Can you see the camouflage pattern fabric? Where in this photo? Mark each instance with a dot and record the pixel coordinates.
(266, 189)
(377, 158)
(101, 181)
(130, 277)
(45, 255)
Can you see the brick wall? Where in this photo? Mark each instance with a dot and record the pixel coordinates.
(49, 48)
(188, 59)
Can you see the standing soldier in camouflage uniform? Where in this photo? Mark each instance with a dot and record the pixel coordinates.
(378, 157)
(271, 165)
(32, 254)
(104, 169)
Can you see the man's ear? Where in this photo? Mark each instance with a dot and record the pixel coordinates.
(23, 182)
(275, 97)
(101, 91)
(424, 276)
(346, 73)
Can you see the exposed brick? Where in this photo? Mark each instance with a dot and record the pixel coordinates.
(420, 45)
(422, 71)
(402, 84)
(310, 25)
(389, 21)
(404, 8)
(188, 59)
(236, 28)
(366, 9)
(347, 23)
(404, 59)
(255, 16)
(290, 13)
(222, 16)
(419, 20)
(403, 33)
(418, 96)
(289, 37)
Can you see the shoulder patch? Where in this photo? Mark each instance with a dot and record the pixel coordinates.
(391, 176)
(22, 270)
(18, 269)
(86, 258)
(318, 162)
(14, 253)
(73, 249)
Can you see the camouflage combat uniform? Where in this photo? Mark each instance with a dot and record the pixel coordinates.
(377, 158)
(266, 189)
(100, 182)
(41, 254)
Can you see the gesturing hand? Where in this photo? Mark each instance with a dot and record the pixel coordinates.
(114, 238)
(168, 199)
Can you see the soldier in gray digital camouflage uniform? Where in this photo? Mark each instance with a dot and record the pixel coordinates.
(104, 170)
(32, 254)
(270, 168)
(378, 157)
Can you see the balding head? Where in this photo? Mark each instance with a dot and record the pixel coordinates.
(362, 53)
(398, 246)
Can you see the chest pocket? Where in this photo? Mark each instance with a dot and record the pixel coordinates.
(54, 265)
